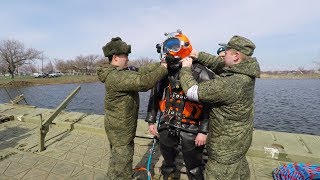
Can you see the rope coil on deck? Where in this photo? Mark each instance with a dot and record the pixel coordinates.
(297, 171)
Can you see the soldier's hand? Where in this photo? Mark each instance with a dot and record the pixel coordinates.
(186, 62)
(200, 139)
(194, 53)
(153, 129)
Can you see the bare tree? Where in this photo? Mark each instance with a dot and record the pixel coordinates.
(101, 61)
(28, 68)
(3, 68)
(72, 68)
(49, 67)
(81, 64)
(318, 64)
(86, 63)
(61, 65)
(301, 70)
(65, 66)
(14, 54)
(317, 61)
(141, 61)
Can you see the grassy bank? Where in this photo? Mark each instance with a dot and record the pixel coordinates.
(290, 76)
(31, 81)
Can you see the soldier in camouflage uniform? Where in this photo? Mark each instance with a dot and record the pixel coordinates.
(221, 52)
(232, 97)
(122, 103)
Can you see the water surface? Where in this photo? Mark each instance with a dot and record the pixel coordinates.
(281, 105)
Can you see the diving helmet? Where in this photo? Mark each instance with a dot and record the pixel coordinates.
(176, 47)
(176, 44)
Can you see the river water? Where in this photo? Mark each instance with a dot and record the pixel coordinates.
(280, 105)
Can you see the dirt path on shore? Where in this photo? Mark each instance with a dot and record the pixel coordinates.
(16, 84)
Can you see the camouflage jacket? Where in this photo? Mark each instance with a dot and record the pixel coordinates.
(232, 97)
(122, 98)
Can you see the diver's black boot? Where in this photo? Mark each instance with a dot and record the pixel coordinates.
(168, 172)
(195, 174)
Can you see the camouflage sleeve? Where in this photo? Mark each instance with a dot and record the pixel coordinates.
(100, 71)
(215, 63)
(135, 81)
(186, 78)
(148, 68)
(218, 90)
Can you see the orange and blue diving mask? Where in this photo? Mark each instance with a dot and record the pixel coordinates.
(177, 46)
(171, 45)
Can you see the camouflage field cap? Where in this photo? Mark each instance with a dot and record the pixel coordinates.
(116, 46)
(241, 44)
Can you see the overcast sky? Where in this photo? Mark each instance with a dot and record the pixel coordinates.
(286, 32)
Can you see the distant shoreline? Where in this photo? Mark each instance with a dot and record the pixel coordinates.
(22, 81)
(290, 76)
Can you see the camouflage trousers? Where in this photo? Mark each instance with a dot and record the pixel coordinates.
(218, 171)
(120, 165)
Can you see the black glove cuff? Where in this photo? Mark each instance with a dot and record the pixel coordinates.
(150, 119)
(204, 126)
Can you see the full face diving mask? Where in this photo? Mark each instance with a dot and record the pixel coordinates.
(176, 47)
